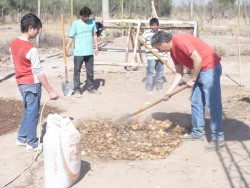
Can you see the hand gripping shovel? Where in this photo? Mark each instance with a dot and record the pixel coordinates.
(67, 86)
(127, 116)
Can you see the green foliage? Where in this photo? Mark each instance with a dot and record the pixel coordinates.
(227, 2)
(166, 7)
(95, 6)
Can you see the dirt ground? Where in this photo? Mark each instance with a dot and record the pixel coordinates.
(123, 92)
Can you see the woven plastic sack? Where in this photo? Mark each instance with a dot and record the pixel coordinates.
(61, 151)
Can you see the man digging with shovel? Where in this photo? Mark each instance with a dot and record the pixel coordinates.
(83, 30)
(187, 50)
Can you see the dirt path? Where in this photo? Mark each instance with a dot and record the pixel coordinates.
(123, 92)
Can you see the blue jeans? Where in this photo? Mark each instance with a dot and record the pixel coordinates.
(157, 66)
(31, 94)
(207, 93)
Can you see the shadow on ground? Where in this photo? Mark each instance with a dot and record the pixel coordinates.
(235, 156)
(85, 168)
(7, 77)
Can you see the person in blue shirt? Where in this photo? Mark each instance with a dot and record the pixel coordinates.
(84, 31)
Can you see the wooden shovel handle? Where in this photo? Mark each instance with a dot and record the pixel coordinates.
(159, 57)
(63, 39)
(159, 100)
(64, 48)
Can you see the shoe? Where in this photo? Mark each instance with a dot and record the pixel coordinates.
(18, 143)
(190, 137)
(149, 93)
(160, 90)
(94, 91)
(214, 145)
(31, 148)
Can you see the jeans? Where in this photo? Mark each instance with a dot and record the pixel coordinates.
(31, 94)
(89, 64)
(158, 67)
(207, 94)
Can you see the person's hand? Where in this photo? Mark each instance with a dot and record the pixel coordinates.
(190, 83)
(53, 95)
(96, 51)
(141, 41)
(167, 96)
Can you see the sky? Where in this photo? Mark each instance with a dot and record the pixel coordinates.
(179, 2)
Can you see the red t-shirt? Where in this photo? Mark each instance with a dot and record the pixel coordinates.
(184, 44)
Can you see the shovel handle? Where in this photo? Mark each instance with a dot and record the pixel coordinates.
(178, 90)
(159, 100)
(64, 48)
(146, 107)
(159, 57)
(63, 39)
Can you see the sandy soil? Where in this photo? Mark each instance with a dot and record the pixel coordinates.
(123, 92)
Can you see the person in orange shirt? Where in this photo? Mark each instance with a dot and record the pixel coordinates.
(30, 78)
(189, 51)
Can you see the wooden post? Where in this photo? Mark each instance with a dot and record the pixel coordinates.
(38, 15)
(136, 42)
(72, 19)
(238, 37)
(159, 8)
(132, 42)
(127, 47)
(127, 44)
(153, 10)
(140, 53)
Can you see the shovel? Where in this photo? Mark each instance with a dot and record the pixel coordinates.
(158, 56)
(67, 87)
(127, 116)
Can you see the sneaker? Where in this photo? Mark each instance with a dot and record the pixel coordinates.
(94, 91)
(18, 143)
(214, 145)
(31, 148)
(149, 93)
(190, 137)
(160, 90)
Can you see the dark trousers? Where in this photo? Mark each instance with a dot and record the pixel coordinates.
(89, 64)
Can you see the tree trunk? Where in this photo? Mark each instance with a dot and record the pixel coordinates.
(105, 9)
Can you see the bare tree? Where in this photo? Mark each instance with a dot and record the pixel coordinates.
(105, 9)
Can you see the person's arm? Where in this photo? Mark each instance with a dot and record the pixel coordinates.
(142, 39)
(96, 44)
(197, 60)
(70, 40)
(176, 80)
(53, 95)
(37, 69)
(72, 34)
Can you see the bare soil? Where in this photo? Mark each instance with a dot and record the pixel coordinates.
(11, 113)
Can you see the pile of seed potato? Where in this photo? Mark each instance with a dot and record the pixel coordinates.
(129, 140)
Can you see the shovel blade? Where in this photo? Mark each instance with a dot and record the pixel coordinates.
(124, 118)
(68, 88)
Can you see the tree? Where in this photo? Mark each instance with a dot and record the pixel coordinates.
(105, 9)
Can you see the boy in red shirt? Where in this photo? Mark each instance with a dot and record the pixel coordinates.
(187, 50)
(29, 77)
